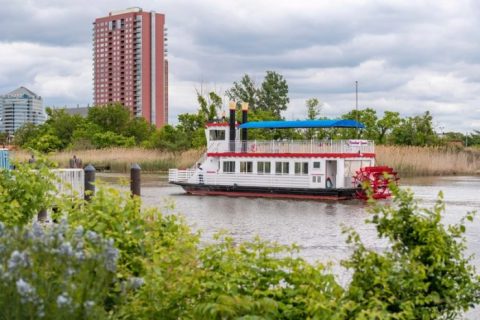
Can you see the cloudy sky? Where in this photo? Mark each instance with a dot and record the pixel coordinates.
(408, 56)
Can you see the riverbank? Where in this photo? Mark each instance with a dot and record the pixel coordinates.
(120, 159)
(406, 160)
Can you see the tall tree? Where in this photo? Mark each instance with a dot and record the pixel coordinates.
(313, 112)
(274, 94)
(387, 124)
(415, 131)
(62, 125)
(112, 117)
(210, 104)
(245, 91)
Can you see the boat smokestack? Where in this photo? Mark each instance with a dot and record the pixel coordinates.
(232, 107)
(244, 130)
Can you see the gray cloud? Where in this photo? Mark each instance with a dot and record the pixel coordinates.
(407, 56)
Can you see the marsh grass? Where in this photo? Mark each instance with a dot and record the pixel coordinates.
(120, 159)
(429, 161)
(406, 160)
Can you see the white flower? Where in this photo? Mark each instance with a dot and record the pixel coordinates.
(136, 282)
(63, 300)
(25, 290)
(37, 230)
(66, 249)
(92, 236)
(17, 259)
(111, 256)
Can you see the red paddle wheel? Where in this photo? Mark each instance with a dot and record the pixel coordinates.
(378, 179)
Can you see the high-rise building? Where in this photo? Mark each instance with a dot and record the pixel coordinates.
(19, 107)
(130, 65)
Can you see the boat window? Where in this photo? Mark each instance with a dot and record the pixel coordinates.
(301, 167)
(316, 165)
(281, 167)
(229, 166)
(246, 166)
(216, 135)
(263, 167)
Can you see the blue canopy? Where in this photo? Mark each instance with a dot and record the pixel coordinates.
(302, 124)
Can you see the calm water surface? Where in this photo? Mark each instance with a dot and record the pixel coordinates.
(316, 227)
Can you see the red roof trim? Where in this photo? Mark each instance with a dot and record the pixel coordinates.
(291, 155)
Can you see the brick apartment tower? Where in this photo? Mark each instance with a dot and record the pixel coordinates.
(130, 65)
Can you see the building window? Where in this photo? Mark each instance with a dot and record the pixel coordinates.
(216, 135)
(229, 166)
(281, 167)
(263, 167)
(246, 166)
(301, 167)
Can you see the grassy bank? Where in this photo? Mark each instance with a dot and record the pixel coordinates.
(429, 161)
(120, 159)
(408, 161)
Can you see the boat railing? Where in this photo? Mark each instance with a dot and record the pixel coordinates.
(179, 175)
(293, 146)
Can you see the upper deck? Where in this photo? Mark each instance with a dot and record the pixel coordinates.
(293, 147)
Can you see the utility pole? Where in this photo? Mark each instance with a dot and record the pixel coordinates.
(356, 104)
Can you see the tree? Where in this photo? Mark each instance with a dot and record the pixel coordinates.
(245, 91)
(274, 94)
(367, 117)
(313, 112)
(112, 117)
(62, 125)
(209, 106)
(139, 129)
(26, 133)
(313, 108)
(415, 131)
(169, 138)
(387, 124)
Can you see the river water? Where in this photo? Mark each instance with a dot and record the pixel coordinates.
(316, 227)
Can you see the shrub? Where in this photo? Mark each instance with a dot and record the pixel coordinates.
(54, 272)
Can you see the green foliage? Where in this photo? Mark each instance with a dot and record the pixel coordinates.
(209, 106)
(169, 138)
(274, 93)
(112, 117)
(313, 112)
(272, 96)
(245, 91)
(26, 133)
(62, 125)
(108, 139)
(24, 192)
(415, 131)
(54, 272)
(422, 274)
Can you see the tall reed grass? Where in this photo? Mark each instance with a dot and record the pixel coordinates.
(429, 161)
(120, 159)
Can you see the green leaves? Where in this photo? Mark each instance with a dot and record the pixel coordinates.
(423, 273)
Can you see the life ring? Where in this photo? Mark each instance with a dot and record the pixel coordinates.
(253, 148)
(328, 183)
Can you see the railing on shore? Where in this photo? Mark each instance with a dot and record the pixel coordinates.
(70, 182)
(293, 146)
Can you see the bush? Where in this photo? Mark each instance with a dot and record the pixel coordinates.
(54, 272)
(163, 272)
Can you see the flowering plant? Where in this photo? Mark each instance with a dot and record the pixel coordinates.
(54, 271)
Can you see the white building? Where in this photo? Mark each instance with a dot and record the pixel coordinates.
(19, 107)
